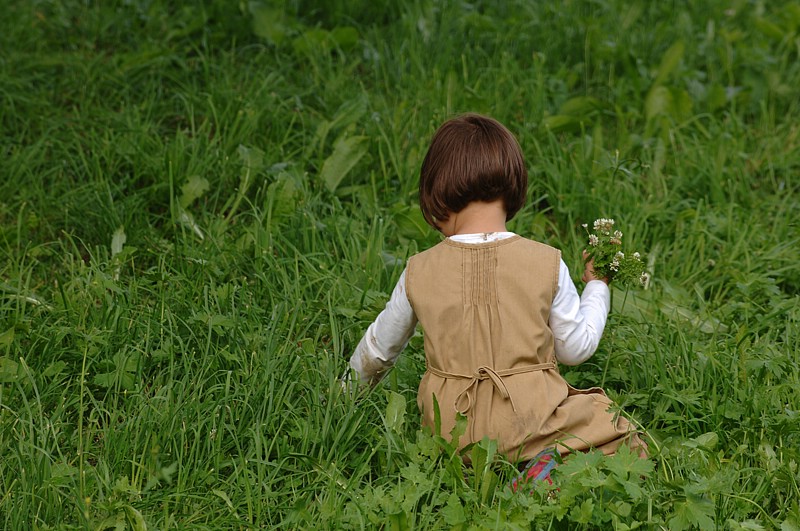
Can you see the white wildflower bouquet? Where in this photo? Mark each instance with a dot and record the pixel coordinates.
(605, 248)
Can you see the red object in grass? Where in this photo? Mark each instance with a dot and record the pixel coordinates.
(538, 469)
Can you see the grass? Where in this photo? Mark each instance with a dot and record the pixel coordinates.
(202, 208)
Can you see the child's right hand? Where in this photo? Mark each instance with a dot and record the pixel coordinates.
(588, 270)
(349, 383)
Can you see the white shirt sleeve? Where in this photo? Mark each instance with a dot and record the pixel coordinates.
(386, 337)
(578, 322)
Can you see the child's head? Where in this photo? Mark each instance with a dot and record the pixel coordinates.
(471, 158)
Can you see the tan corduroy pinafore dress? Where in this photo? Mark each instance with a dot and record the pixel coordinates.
(484, 310)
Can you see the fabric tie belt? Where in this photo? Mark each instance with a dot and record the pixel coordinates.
(484, 373)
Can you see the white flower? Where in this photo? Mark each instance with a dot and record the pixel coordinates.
(615, 241)
(585, 225)
(644, 279)
(593, 240)
(619, 256)
(637, 256)
(617, 234)
(614, 265)
(604, 225)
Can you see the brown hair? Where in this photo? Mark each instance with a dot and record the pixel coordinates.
(471, 158)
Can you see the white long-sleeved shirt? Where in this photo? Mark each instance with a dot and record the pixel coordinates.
(577, 321)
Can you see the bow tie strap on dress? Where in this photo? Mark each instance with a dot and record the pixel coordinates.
(487, 373)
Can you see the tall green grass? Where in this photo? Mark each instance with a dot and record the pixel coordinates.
(203, 207)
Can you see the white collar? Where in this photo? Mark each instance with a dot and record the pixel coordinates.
(481, 237)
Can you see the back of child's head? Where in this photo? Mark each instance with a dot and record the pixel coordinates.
(471, 158)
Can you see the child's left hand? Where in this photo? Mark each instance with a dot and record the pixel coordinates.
(588, 270)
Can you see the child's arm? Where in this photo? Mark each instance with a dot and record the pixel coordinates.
(578, 321)
(386, 337)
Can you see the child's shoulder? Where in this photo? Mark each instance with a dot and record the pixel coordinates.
(534, 249)
(536, 243)
(430, 251)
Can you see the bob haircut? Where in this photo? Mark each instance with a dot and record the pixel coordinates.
(471, 158)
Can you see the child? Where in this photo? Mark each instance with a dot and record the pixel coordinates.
(497, 310)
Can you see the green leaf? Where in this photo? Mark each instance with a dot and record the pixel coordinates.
(621, 508)
(594, 478)
(395, 412)
(410, 222)
(135, 519)
(116, 522)
(558, 123)
(489, 483)
(459, 429)
(658, 102)
(626, 464)
(54, 369)
(751, 525)
(215, 321)
(224, 497)
(709, 325)
(694, 511)
(716, 97)
(61, 473)
(126, 381)
(437, 417)
(790, 524)
(123, 486)
(768, 28)
(166, 472)
(708, 441)
(345, 37)
(482, 457)
(312, 40)
(125, 365)
(282, 197)
(682, 103)
(194, 188)
(398, 522)
(347, 151)
(669, 61)
(581, 107)
(118, 241)
(791, 15)
(9, 370)
(415, 475)
(479, 460)
(252, 157)
(583, 513)
(348, 113)
(253, 161)
(128, 361)
(106, 379)
(453, 512)
(7, 337)
(268, 23)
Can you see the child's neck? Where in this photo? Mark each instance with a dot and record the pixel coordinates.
(477, 218)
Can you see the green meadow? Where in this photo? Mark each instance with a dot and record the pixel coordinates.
(203, 206)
